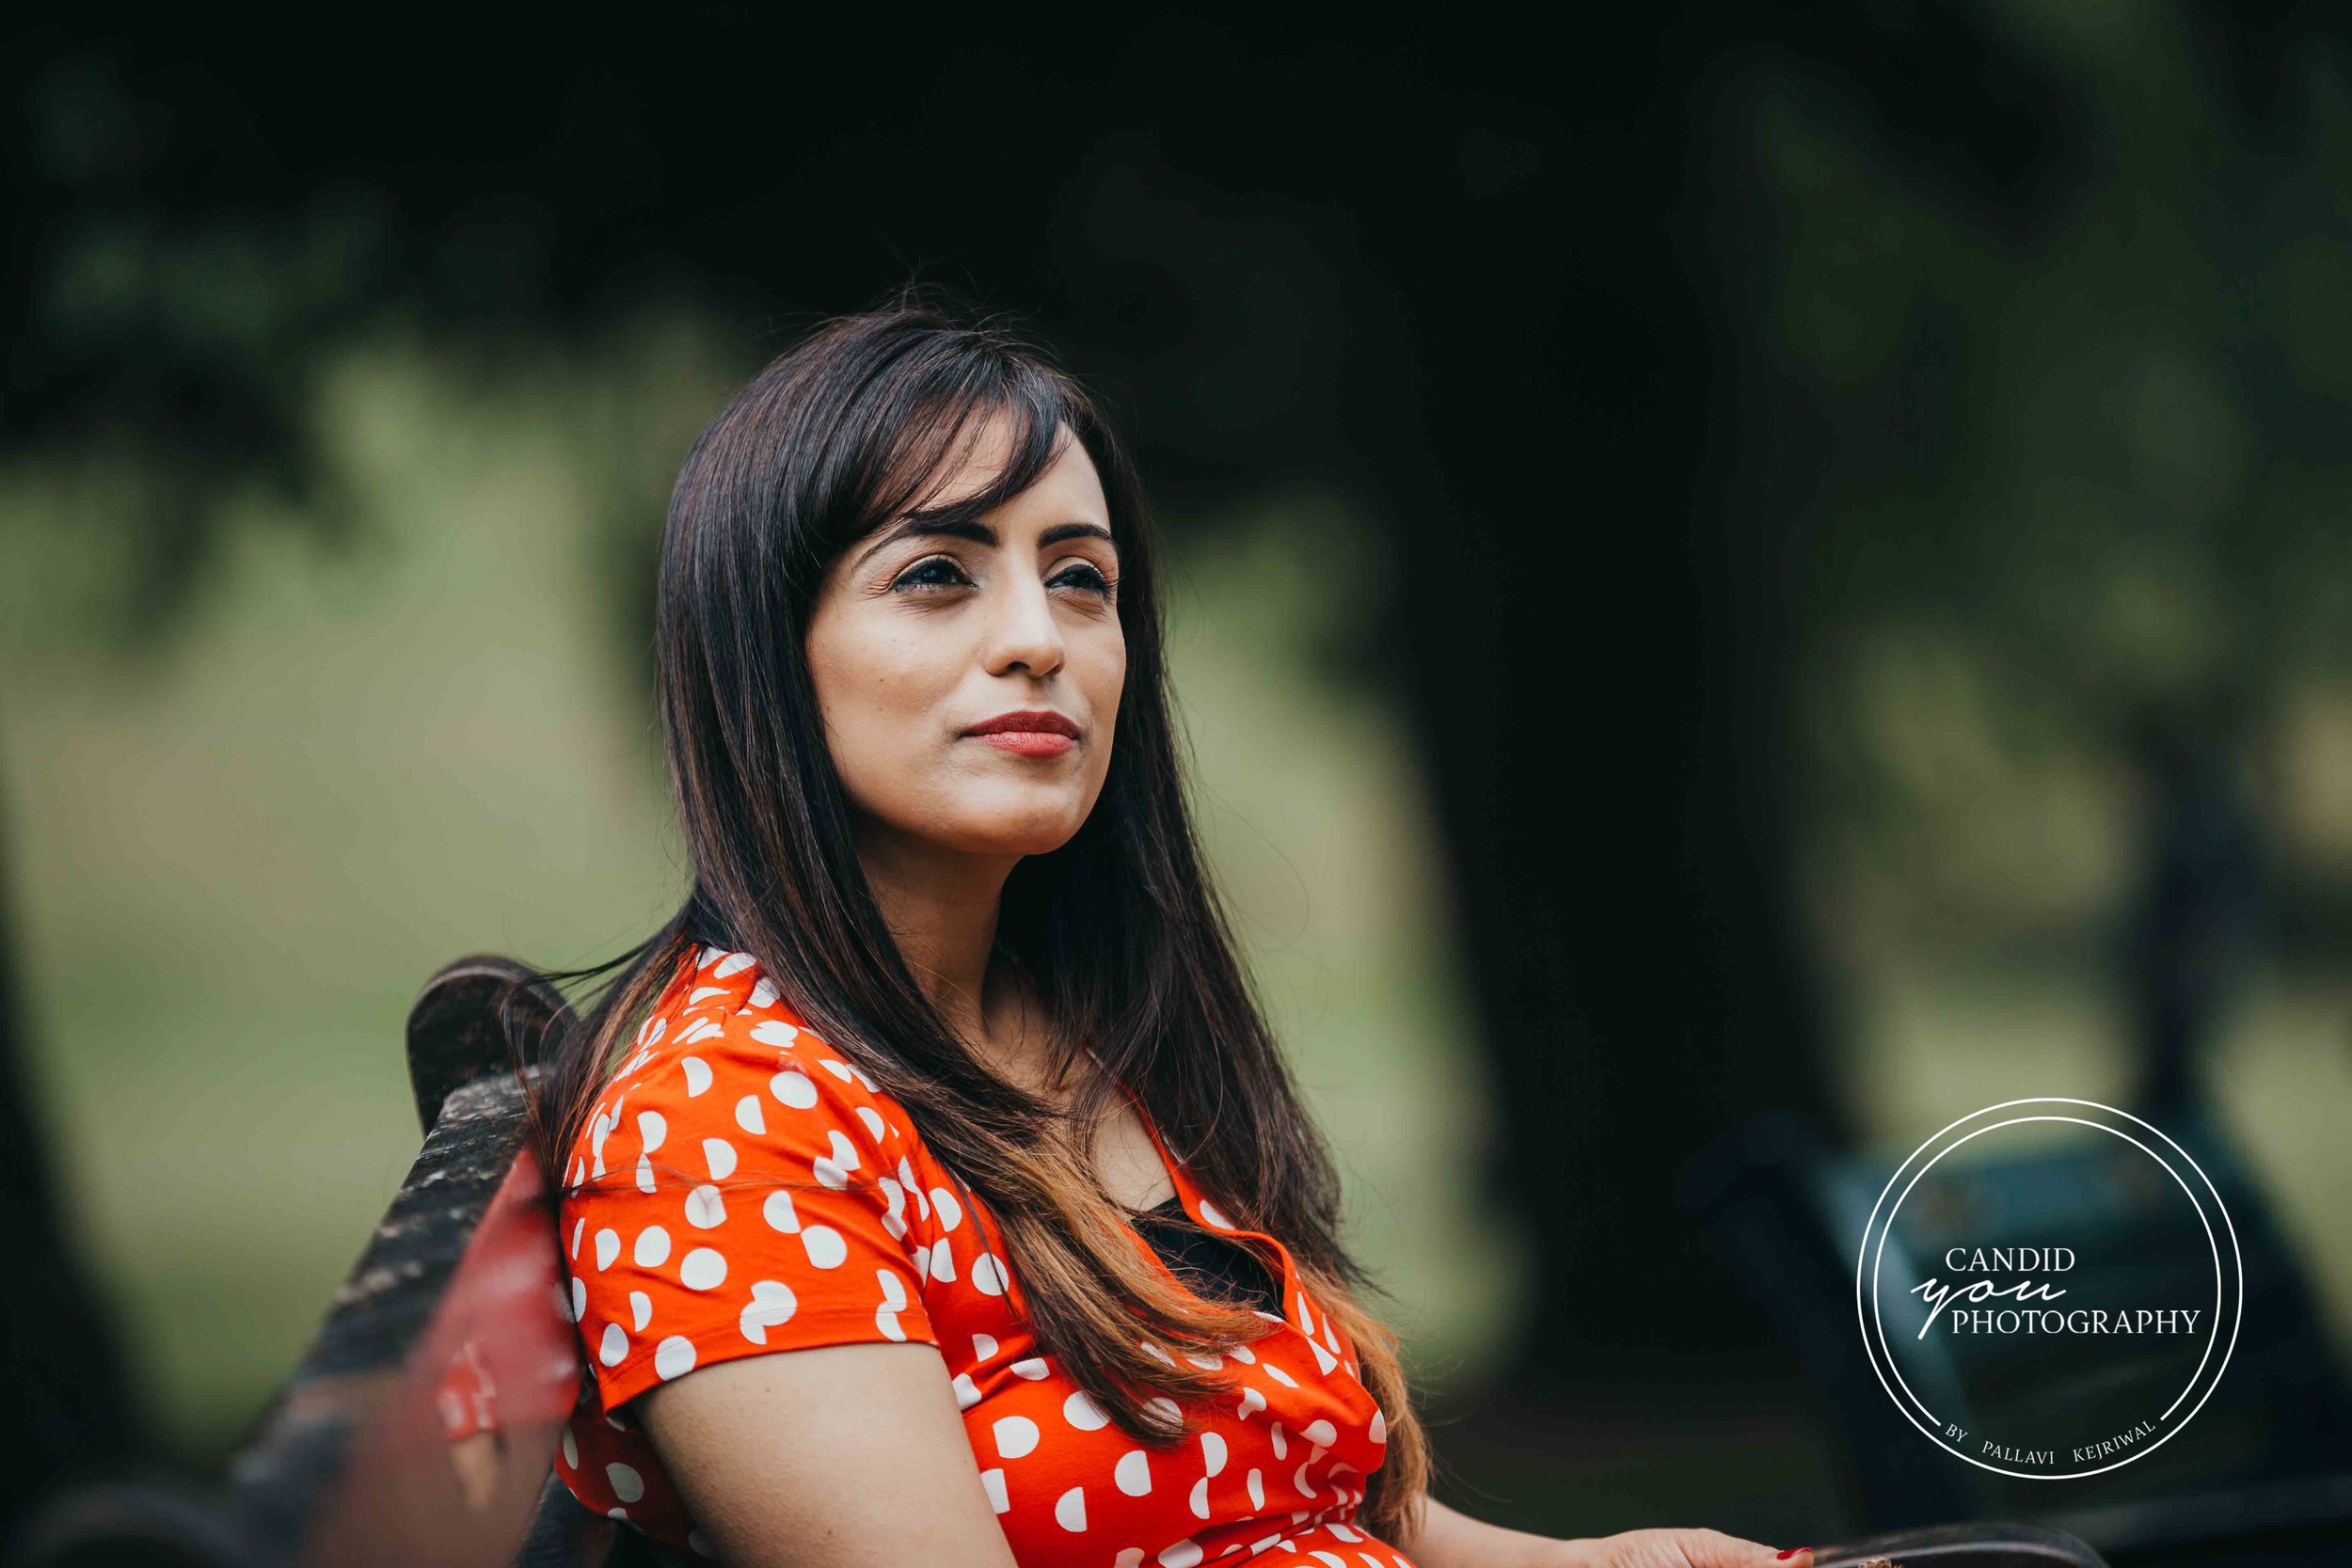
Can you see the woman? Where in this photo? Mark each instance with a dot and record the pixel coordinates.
(946, 1078)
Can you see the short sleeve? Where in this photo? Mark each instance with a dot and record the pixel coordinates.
(739, 1190)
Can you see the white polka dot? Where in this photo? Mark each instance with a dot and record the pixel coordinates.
(748, 1116)
(1378, 1431)
(1213, 1215)
(1328, 1559)
(1199, 1500)
(793, 1089)
(771, 1304)
(1212, 1452)
(1321, 1434)
(1342, 1531)
(719, 1155)
(580, 1298)
(705, 1209)
(875, 1127)
(967, 1391)
(700, 1543)
(702, 1270)
(608, 1247)
(653, 1247)
(640, 1310)
(833, 1170)
(1298, 1479)
(839, 1070)
(1181, 1555)
(702, 1031)
(763, 995)
(778, 1212)
(652, 1127)
(1032, 1368)
(1132, 1473)
(1165, 1406)
(708, 956)
(1015, 1436)
(571, 1449)
(645, 1173)
(942, 1266)
(1070, 1511)
(1257, 1491)
(1252, 1402)
(1279, 1375)
(733, 964)
(628, 1484)
(1129, 1556)
(613, 1348)
(774, 1032)
(579, 1228)
(825, 1247)
(992, 1483)
(983, 1346)
(1281, 1444)
(1243, 1352)
(950, 1212)
(697, 1075)
(1083, 1413)
(988, 1274)
(1325, 1360)
(673, 1357)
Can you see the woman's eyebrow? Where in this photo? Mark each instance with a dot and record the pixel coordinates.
(1061, 531)
(979, 533)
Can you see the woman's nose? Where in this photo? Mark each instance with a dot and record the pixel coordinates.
(1023, 633)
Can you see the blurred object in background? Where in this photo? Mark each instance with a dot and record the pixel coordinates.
(2196, 930)
(71, 1415)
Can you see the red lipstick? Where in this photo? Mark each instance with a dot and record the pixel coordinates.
(1030, 732)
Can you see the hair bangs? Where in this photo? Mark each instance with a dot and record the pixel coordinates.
(943, 418)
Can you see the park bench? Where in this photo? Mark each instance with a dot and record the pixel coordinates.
(362, 1458)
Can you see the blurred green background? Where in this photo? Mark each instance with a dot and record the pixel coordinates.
(2021, 351)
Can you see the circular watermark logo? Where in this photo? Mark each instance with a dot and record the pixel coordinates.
(2049, 1288)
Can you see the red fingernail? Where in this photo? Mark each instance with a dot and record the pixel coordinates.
(1791, 1552)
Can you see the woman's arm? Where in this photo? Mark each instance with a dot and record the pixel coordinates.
(831, 1456)
(1452, 1539)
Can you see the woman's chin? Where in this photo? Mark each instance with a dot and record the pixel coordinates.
(1035, 830)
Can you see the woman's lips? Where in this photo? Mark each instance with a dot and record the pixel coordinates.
(1030, 732)
(1027, 743)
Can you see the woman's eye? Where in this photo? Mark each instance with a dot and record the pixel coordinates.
(1086, 576)
(937, 572)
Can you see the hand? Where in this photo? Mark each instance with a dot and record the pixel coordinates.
(1671, 1548)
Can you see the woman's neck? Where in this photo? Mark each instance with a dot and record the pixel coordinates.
(942, 909)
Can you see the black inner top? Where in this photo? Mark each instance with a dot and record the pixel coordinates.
(1213, 1267)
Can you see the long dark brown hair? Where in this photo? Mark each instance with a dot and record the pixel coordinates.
(1120, 928)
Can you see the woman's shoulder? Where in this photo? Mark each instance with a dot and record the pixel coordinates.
(725, 1062)
(741, 1187)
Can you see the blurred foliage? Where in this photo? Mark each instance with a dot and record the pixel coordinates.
(2078, 481)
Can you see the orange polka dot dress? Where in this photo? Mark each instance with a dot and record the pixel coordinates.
(741, 1190)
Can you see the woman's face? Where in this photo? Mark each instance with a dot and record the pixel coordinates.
(919, 637)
